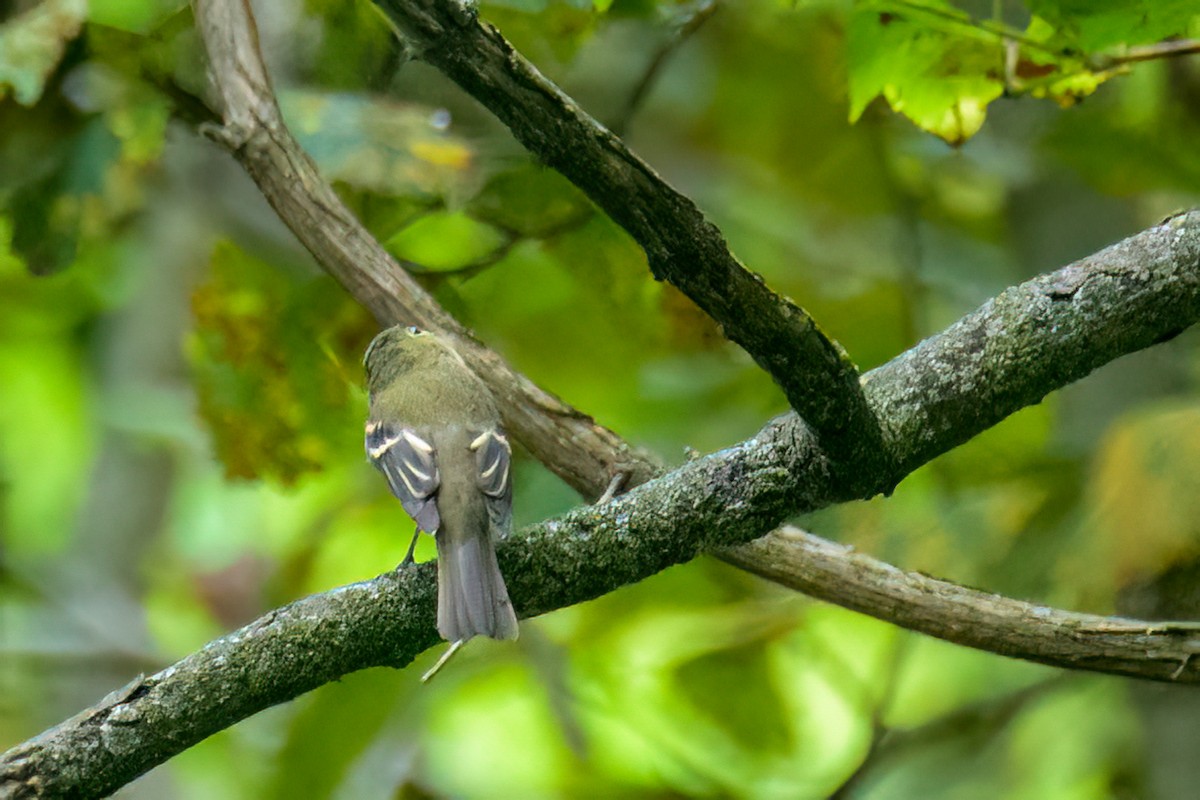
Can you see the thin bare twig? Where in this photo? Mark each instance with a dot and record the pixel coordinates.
(690, 22)
(985, 718)
(1149, 52)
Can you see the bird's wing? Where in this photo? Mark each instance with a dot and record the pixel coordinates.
(409, 463)
(493, 458)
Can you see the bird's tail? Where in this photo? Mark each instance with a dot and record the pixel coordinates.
(472, 598)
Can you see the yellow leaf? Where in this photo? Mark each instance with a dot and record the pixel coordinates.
(1147, 492)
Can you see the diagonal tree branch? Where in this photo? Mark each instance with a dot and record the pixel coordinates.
(1034, 338)
(820, 381)
(1133, 294)
(1034, 632)
(569, 442)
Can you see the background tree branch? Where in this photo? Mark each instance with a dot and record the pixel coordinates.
(980, 720)
(567, 441)
(690, 20)
(1034, 632)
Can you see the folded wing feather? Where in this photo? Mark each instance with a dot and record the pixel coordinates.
(410, 465)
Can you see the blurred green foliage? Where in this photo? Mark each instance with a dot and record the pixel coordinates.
(180, 387)
(267, 357)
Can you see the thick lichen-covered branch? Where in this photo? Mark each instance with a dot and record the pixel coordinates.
(1036, 337)
(289, 651)
(1122, 299)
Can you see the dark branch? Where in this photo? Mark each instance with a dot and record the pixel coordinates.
(1174, 48)
(682, 246)
(972, 723)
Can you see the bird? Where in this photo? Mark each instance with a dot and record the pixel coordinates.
(434, 432)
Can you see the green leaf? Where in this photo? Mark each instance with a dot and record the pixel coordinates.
(1147, 493)
(941, 80)
(1102, 24)
(73, 178)
(445, 241)
(47, 433)
(46, 440)
(133, 16)
(1044, 763)
(545, 31)
(358, 45)
(531, 200)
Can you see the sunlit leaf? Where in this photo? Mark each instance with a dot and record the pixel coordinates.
(134, 16)
(445, 241)
(499, 705)
(363, 543)
(1101, 24)
(46, 418)
(1049, 765)
(46, 441)
(73, 190)
(545, 31)
(943, 81)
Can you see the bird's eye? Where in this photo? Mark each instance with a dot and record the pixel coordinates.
(413, 329)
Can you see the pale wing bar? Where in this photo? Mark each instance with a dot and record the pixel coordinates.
(493, 460)
(410, 465)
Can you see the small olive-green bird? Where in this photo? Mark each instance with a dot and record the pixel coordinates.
(434, 433)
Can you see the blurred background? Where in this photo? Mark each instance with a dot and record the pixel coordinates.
(181, 394)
